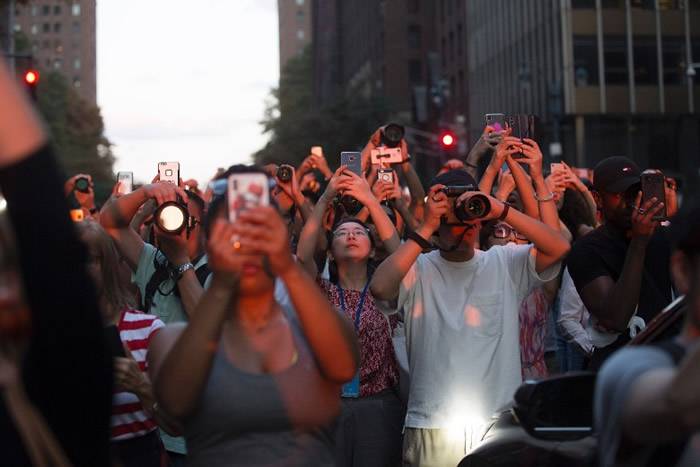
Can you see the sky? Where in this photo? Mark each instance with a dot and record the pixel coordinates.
(185, 81)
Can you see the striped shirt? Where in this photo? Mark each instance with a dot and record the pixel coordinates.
(129, 420)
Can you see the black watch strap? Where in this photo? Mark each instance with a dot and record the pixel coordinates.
(423, 243)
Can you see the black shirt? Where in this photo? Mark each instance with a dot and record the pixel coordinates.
(602, 253)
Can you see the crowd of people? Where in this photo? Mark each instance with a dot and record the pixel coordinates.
(355, 319)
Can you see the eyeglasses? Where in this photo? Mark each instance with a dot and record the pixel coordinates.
(506, 231)
(355, 233)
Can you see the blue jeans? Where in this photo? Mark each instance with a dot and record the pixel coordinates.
(568, 355)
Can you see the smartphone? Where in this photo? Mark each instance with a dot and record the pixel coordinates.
(352, 160)
(317, 150)
(169, 172)
(126, 180)
(523, 127)
(654, 186)
(385, 155)
(555, 167)
(114, 342)
(246, 191)
(385, 175)
(496, 121)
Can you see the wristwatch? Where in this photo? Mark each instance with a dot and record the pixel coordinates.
(180, 270)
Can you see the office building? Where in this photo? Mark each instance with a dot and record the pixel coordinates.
(294, 28)
(62, 35)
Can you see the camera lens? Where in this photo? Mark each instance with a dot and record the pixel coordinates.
(82, 184)
(474, 207)
(392, 135)
(284, 173)
(171, 217)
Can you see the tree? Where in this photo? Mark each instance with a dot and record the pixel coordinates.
(294, 124)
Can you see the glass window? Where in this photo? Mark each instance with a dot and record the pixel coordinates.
(57, 64)
(76, 82)
(18, 27)
(585, 61)
(300, 16)
(45, 10)
(613, 3)
(615, 52)
(35, 9)
(35, 29)
(300, 34)
(413, 6)
(57, 9)
(415, 39)
(76, 64)
(75, 9)
(460, 39)
(673, 49)
(300, 2)
(444, 52)
(646, 65)
(415, 71)
(76, 27)
(45, 27)
(59, 48)
(583, 4)
(56, 27)
(452, 45)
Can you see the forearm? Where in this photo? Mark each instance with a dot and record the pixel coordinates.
(415, 187)
(118, 212)
(363, 214)
(191, 291)
(405, 214)
(478, 151)
(386, 280)
(547, 240)
(305, 208)
(487, 180)
(524, 187)
(183, 375)
(330, 336)
(141, 215)
(548, 212)
(310, 234)
(385, 229)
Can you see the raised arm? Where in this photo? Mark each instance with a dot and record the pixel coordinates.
(483, 147)
(387, 278)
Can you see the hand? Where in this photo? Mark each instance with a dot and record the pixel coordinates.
(116, 193)
(192, 185)
(164, 191)
(437, 206)
(86, 200)
(262, 231)
(670, 188)
(496, 205)
(572, 180)
(533, 157)
(270, 170)
(384, 190)
(320, 163)
(127, 374)
(556, 183)
(332, 188)
(305, 167)
(452, 164)
(174, 247)
(508, 146)
(222, 258)
(506, 185)
(291, 188)
(492, 137)
(357, 187)
(643, 223)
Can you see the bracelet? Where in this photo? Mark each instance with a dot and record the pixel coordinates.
(180, 270)
(549, 197)
(504, 214)
(423, 243)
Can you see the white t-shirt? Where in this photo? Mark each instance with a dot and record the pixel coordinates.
(462, 333)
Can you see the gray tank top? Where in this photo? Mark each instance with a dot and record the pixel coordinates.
(279, 419)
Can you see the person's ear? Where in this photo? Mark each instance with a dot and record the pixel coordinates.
(680, 272)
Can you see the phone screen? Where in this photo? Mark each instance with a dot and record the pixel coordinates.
(246, 191)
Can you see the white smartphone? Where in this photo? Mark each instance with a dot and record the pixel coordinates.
(246, 191)
(317, 150)
(169, 172)
(126, 182)
(555, 167)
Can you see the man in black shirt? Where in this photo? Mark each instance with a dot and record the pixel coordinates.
(621, 269)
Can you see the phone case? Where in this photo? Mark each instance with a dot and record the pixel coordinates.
(384, 155)
(353, 161)
(653, 186)
(497, 121)
(246, 191)
(169, 172)
(127, 182)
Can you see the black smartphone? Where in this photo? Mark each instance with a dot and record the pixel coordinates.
(654, 186)
(523, 126)
(114, 342)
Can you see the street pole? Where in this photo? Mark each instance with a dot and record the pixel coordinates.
(660, 59)
(689, 59)
(11, 33)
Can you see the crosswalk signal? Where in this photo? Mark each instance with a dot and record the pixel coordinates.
(31, 79)
(448, 140)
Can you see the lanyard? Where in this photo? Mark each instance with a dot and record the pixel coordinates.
(360, 304)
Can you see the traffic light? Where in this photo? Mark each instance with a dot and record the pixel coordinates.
(31, 79)
(448, 140)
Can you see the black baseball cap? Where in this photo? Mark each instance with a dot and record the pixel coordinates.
(455, 177)
(616, 175)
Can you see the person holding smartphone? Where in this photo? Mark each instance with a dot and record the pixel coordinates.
(254, 382)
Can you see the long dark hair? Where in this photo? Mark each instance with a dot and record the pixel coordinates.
(575, 212)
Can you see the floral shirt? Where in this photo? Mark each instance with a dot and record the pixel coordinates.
(378, 367)
(533, 329)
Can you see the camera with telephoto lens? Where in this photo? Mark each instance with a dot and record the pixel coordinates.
(173, 217)
(392, 134)
(82, 184)
(284, 173)
(474, 207)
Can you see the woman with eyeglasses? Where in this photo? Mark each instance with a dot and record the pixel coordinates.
(369, 432)
(253, 382)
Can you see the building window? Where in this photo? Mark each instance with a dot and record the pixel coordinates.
(45, 10)
(583, 4)
(646, 65)
(300, 34)
(76, 27)
(413, 6)
(415, 39)
(76, 82)
(585, 61)
(57, 64)
(75, 9)
(452, 45)
(300, 16)
(18, 27)
(443, 49)
(613, 4)
(415, 71)
(35, 10)
(76, 64)
(674, 60)
(57, 9)
(300, 2)
(615, 52)
(45, 27)
(59, 48)
(460, 40)
(56, 27)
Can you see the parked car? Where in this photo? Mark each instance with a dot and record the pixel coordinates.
(550, 423)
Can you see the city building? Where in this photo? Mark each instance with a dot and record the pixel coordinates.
(606, 77)
(62, 34)
(295, 31)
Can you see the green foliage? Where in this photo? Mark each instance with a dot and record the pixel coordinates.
(294, 124)
(77, 132)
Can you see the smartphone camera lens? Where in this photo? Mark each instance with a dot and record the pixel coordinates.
(169, 172)
(82, 184)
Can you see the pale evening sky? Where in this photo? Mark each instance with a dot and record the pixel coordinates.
(183, 80)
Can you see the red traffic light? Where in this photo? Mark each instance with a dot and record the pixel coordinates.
(448, 140)
(31, 77)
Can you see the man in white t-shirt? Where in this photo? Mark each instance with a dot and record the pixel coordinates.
(461, 312)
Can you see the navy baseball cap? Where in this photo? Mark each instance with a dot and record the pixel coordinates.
(455, 177)
(616, 175)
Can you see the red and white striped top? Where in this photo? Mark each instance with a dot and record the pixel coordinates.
(129, 420)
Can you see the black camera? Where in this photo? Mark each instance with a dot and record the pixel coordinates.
(474, 207)
(392, 134)
(82, 184)
(284, 173)
(351, 206)
(173, 217)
